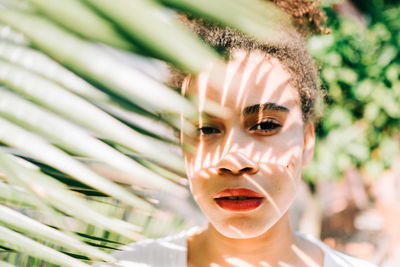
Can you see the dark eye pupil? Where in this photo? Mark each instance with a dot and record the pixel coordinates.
(267, 125)
(208, 130)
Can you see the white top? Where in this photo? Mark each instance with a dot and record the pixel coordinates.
(171, 251)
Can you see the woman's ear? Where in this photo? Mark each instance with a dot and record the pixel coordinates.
(309, 143)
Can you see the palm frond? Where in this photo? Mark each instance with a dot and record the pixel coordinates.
(36, 146)
(5, 264)
(75, 14)
(22, 243)
(96, 65)
(10, 35)
(39, 63)
(78, 110)
(31, 227)
(169, 40)
(13, 195)
(56, 195)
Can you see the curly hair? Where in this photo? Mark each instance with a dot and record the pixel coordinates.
(292, 53)
(306, 11)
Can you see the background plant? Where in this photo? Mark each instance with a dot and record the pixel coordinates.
(361, 115)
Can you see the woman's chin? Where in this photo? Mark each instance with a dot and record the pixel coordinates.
(242, 230)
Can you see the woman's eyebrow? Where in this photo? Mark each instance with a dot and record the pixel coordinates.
(261, 107)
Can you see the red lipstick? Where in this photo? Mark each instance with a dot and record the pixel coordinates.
(238, 199)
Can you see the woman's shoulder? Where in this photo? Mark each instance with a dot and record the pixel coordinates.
(334, 258)
(166, 251)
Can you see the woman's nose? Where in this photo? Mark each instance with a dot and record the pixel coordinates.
(236, 163)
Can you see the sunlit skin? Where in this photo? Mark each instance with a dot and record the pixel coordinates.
(261, 144)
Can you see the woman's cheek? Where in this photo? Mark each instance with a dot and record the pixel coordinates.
(197, 183)
(199, 187)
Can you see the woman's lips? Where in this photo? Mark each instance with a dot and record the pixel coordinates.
(238, 199)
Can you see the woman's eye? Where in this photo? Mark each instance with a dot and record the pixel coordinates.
(207, 130)
(266, 127)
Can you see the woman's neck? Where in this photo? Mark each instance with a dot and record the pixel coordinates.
(276, 247)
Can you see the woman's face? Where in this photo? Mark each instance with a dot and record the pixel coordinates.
(247, 165)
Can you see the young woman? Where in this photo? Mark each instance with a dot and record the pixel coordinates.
(247, 166)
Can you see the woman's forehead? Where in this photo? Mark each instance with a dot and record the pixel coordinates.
(247, 79)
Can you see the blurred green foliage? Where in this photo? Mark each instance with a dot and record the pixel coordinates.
(361, 115)
(374, 8)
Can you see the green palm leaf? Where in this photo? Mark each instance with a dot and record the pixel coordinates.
(37, 62)
(86, 114)
(5, 264)
(27, 225)
(15, 196)
(24, 244)
(169, 40)
(74, 139)
(10, 35)
(57, 195)
(75, 14)
(34, 145)
(96, 64)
